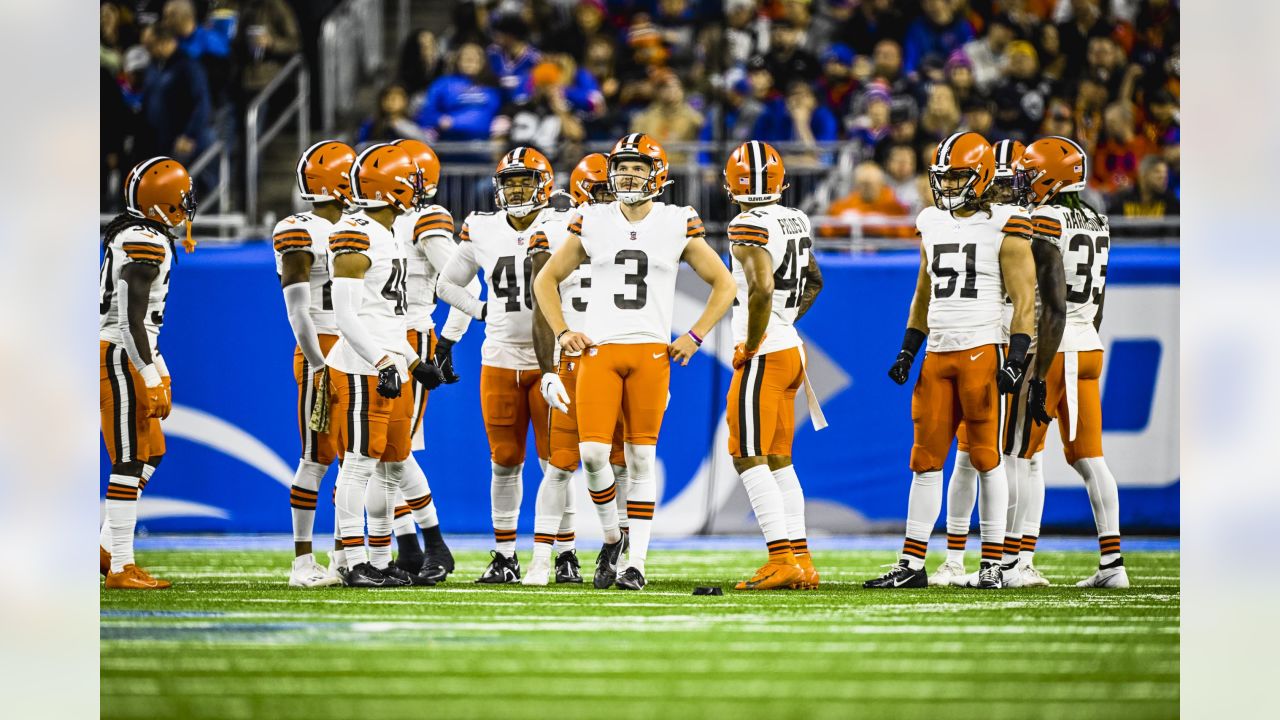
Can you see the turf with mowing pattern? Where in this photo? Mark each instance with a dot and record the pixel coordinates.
(231, 640)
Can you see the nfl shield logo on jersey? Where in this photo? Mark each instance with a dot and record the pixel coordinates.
(633, 236)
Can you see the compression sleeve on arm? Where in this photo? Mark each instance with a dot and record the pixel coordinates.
(455, 326)
(456, 278)
(346, 302)
(150, 375)
(297, 301)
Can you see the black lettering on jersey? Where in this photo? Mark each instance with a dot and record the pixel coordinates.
(580, 303)
(970, 289)
(504, 283)
(792, 226)
(1087, 292)
(635, 279)
(157, 316)
(395, 289)
(106, 284)
(789, 277)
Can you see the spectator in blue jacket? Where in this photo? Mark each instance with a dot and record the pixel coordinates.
(175, 104)
(798, 119)
(939, 32)
(462, 104)
(511, 56)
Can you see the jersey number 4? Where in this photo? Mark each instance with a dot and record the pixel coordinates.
(970, 289)
(506, 285)
(395, 289)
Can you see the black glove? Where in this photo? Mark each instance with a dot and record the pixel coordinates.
(1009, 376)
(1036, 394)
(428, 373)
(911, 343)
(389, 381)
(444, 361)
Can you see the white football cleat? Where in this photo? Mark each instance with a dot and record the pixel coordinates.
(307, 574)
(1112, 578)
(538, 572)
(1012, 577)
(946, 573)
(968, 580)
(1031, 577)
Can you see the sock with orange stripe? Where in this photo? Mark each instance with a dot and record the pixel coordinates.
(923, 505)
(1104, 497)
(621, 479)
(104, 533)
(417, 493)
(565, 539)
(505, 491)
(303, 495)
(353, 481)
(766, 501)
(962, 494)
(602, 487)
(792, 507)
(122, 518)
(642, 496)
(549, 509)
(993, 509)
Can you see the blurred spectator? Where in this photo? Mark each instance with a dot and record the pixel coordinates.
(114, 127)
(1053, 64)
(788, 60)
(902, 178)
(212, 49)
(599, 62)
(267, 38)
(677, 25)
(871, 199)
(175, 103)
(941, 114)
(1021, 99)
(1087, 21)
(872, 22)
(939, 31)
(586, 23)
(420, 62)
(648, 51)
(580, 86)
(1150, 197)
(670, 118)
(1091, 100)
(1058, 120)
(804, 121)
(133, 76)
(1105, 61)
(902, 124)
(543, 119)
(829, 25)
(987, 53)
(1115, 165)
(959, 72)
(746, 32)
(735, 118)
(461, 105)
(511, 57)
(886, 66)
(980, 117)
(391, 121)
(874, 124)
(837, 84)
(1162, 127)
(116, 33)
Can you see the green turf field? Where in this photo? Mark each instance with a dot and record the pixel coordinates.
(230, 640)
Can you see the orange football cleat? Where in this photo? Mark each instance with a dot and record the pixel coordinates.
(772, 576)
(133, 577)
(809, 577)
(104, 561)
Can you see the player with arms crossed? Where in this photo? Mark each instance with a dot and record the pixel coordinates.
(498, 244)
(634, 246)
(301, 243)
(972, 254)
(134, 384)
(778, 279)
(588, 185)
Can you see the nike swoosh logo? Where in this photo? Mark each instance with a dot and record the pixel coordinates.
(899, 583)
(658, 355)
(975, 357)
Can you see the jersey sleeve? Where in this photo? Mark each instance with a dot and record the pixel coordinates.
(1046, 227)
(1018, 225)
(465, 234)
(347, 241)
(743, 230)
(142, 246)
(437, 221)
(575, 226)
(290, 237)
(693, 227)
(539, 243)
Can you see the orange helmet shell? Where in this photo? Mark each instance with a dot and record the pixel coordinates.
(427, 161)
(754, 173)
(160, 189)
(639, 145)
(524, 160)
(1008, 153)
(591, 171)
(1054, 165)
(963, 151)
(324, 172)
(385, 175)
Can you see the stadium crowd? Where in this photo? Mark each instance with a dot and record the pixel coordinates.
(892, 77)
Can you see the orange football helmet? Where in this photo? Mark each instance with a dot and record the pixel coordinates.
(324, 172)
(639, 146)
(1053, 165)
(160, 189)
(385, 175)
(754, 173)
(968, 153)
(523, 162)
(591, 176)
(427, 161)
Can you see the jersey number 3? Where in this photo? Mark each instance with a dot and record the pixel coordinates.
(636, 279)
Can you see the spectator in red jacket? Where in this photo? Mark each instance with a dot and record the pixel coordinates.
(1115, 163)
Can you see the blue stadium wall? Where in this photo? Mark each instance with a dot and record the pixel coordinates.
(233, 439)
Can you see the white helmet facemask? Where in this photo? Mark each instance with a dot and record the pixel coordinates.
(633, 197)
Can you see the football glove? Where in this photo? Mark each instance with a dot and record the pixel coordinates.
(444, 360)
(428, 374)
(742, 356)
(1009, 376)
(912, 339)
(553, 390)
(388, 379)
(1036, 394)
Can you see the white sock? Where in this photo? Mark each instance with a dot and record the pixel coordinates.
(380, 507)
(1105, 499)
(642, 498)
(622, 480)
(793, 507)
(565, 539)
(122, 518)
(549, 507)
(602, 486)
(353, 482)
(1031, 498)
(339, 558)
(302, 498)
(417, 494)
(766, 501)
(923, 505)
(1014, 468)
(104, 532)
(962, 495)
(993, 508)
(505, 492)
(403, 523)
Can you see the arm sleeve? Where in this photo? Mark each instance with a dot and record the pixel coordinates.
(455, 326)
(440, 250)
(457, 276)
(297, 301)
(346, 306)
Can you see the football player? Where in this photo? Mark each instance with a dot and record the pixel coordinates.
(588, 185)
(133, 378)
(972, 254)
(497, 244)
(371, 414)
(1056, 168)
(426, 235)
(634, 246)
(301, 244)
(777, 279)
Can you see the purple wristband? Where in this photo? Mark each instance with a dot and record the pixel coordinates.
(695, 338)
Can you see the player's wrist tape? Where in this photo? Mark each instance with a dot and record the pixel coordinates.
(1018, 346)
(561, 334)
(695, 337)
(912, 341)
(150, 375)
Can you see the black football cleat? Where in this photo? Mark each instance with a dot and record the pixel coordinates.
(568, 569)
(501, 570)
(409, 562)
(900, 577)
(365, 575)
(437, 564)
(630, 579)
(607, 564)
(990, 576)
(396, 577)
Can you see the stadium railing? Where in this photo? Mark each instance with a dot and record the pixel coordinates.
(351, 50)
(256, 140)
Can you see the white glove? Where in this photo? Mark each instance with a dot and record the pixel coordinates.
(554, 392)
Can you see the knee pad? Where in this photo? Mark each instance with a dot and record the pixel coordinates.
(923, 461)
(641, 459)
(595, 456)
(983, 459)
(507, 454)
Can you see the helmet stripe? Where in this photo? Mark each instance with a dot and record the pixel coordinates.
(944, 152)
(136, 180)
(302, 165)
(756, 153)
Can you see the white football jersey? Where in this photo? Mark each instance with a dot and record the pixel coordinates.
(633, 270)
(383, 303)
(785, 233)
(427, 238)
(135, 244)
(967, 293)
(501, 254)
(1085, 242)
(308, 232)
